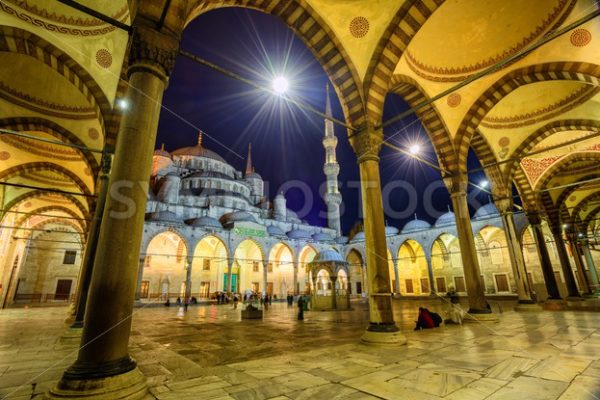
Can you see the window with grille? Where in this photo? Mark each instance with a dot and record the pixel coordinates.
(270, 267)
(254, 266)
(206, 265)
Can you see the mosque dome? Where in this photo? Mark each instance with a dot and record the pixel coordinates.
(487, 211)
(328, 255)
(206, 222)
(446, 219)
(391, 231)
(198, 151)
(274, 230)
(359, 236)
(416, 225)
(298, 234)
(342, 240)
(322, 236)
(162, 152)
(237, 216)
(166, 216)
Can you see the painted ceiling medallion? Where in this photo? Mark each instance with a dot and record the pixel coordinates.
(359, 27)
(27, 205)
(93, 133)
(572, 198)
(4, 155)
(454, 99)
(504, 141)
(104, 58)
(581, 37)
(87, 171)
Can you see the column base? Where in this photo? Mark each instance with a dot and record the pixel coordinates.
(474, 315)
(128, 386)
(574, 298)
(71, 335)
(383, 334)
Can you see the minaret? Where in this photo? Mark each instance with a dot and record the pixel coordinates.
(331, 168)
(249, 169)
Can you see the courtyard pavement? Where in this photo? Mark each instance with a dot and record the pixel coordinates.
(209, 353)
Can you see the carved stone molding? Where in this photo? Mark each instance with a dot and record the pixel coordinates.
(152, 51)
(367, 144)
(456, 183)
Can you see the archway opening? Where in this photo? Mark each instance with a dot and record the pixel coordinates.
(209, 267)
(280, 273)
(164, 273)
(246, 272)
(412, 269)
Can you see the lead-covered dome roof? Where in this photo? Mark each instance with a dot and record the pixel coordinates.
(328, 255)
(446, 219)
(298, 234)
(206, 222)
(166, 216)
(198, 151)
(487, 211)
(416, 225)
(237, 216)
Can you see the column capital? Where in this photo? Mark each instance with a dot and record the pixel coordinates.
(456, 183)
(152, 51)
(366, 143)
(535, 218)
(504, 204)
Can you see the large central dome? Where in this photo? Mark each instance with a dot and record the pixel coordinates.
(198, 151)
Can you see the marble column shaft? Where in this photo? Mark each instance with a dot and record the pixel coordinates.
(591, 266)
(188, 279)
(140, 277)
(546, 264)
(107, 324)
(564, 262)
(516, 258)
(85, 276)
(583, 278)
(367, 145)
(457, 186)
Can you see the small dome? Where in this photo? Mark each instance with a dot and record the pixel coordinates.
(206, 222)
(446, 219)
(416, 225)
(391, 231)
(328, 255)
(359, 236)
(162, 152)
(275, 231)
(298, 234)
(342, 240)
(237, 216)
(322, 236)
(487, 211)
(166, 216)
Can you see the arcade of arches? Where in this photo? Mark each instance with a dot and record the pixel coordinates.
(530, 116)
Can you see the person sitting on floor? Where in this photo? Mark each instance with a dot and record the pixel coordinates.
(424, 321)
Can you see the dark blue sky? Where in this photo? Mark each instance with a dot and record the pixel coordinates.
(286, 141)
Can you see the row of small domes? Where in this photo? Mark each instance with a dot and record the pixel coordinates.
(446, 219)
(236, 216)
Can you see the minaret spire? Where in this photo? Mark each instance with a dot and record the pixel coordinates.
(331, 168)
(249, 168)
(200, 138)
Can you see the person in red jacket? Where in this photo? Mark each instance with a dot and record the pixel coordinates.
(424, 321)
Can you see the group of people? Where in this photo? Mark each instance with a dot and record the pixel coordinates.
(428, 319)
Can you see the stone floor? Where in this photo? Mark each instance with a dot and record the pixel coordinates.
(210, 354)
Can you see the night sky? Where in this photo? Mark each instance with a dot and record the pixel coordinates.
(286, 141)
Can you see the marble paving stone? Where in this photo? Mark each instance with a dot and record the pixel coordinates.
(510, 368)
(582, 388)
(477, 390)
(593, 369)
(559, 368)
(530, 389)
(330, 391)
(436, 381)
(300, 380)
(382, 384)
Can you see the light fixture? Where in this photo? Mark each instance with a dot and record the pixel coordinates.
(280, 85)
(484, 183)
(123, 104)
(565, 226)
(415, 149)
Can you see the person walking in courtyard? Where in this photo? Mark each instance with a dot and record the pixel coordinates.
(300, 308)
(235, 301)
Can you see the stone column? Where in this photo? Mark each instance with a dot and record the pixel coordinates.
(573, 292)
(229, 273)
(140, 276)
(265, 276)
(103, 364)
(586, 289)
(92, 241)
(540, 242)
(333, 292)
(432, 288)
(396, 275)
(585, 247)
(515, 252)
(188, 278)
(457, 186)
(382, 328)
(295, 279)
